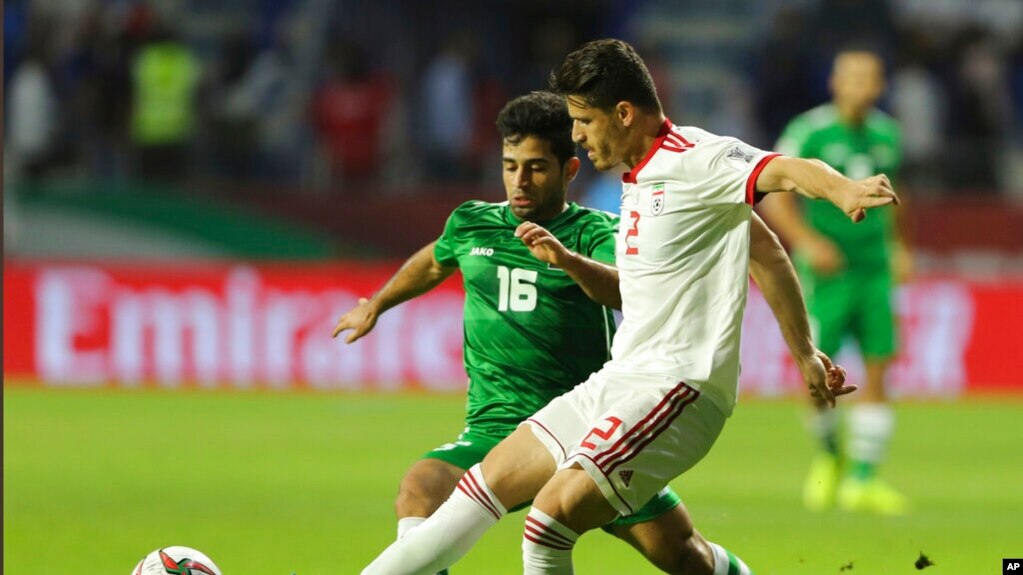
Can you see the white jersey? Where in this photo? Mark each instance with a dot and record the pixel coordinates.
(683, 259)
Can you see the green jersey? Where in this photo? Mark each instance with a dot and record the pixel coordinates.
(858, 152)
(531, 333)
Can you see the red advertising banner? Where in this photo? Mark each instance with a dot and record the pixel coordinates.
(955, 336)
(268, 326)
(222, 326)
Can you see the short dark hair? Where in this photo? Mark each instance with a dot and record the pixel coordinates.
(540, 114)
(870, 47)
(605, 72)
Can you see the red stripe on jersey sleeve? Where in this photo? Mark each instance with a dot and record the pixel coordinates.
(751, 182)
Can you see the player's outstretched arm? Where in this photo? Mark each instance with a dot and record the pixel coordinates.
(815, 179)
(418, 275)
(598, 280)
(773, 272)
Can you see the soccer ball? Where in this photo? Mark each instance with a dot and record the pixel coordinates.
(176, 560)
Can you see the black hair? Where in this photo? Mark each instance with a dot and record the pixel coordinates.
(540, 114)
(864, 46)
(605, 72)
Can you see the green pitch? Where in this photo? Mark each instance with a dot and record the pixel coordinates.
(270, 483)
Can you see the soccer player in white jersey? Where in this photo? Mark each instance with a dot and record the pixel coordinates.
(658, 405)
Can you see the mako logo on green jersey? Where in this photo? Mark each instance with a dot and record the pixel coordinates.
(478, 251)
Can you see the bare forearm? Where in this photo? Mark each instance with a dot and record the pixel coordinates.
(781, 290)
(815, 179)
(774, 275)
(811, 178)
(418, 275)
(599, 281)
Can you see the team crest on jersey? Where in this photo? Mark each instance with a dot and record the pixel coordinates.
(744, 154)
(657, 200)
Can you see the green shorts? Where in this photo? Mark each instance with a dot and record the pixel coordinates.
(851, 303)
(473, 445)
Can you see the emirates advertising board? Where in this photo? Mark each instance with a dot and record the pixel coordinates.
(225, 326)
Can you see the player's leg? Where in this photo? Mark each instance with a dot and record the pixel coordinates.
(516, 467)
(430, 480)
(663, 532)
(511, 473)
(473, 507)
(871, 421)
(651, 434)
(422, 490)
(569, 505)
(829, 304)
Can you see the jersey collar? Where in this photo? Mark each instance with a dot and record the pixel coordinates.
(630, 176)
(509, 216)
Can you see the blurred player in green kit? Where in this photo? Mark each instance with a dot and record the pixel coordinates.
(848, 273)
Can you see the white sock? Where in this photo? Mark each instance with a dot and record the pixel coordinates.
(406, 524)
(725, 563)
(446, 535)
(870, 428)
(546, 545)
(823, 425)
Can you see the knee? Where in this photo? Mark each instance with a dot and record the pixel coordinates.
(518, 468)
(423, 489)
(413, 486)
(688, 555)
(573, 498)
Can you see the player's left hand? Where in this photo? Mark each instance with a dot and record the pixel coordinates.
(872, 192)
(542, 243)
(825, 380)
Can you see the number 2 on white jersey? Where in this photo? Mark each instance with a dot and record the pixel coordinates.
(633, 231)
(516, 290)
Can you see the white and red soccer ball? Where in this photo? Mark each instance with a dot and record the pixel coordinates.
(176, 560)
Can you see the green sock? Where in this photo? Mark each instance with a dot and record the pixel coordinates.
(823, 425)
(830, 443)
(862, 470)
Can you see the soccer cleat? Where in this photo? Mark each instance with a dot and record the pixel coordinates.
(870, 496)
(821, 483)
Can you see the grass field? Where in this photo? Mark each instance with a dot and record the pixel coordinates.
(275, 483)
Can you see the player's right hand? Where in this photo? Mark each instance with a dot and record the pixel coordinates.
(542, 243)
(823, 255)
(825, 380)
(859, 195)
(360, 319)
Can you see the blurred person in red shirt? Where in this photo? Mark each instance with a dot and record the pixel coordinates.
(349, 111)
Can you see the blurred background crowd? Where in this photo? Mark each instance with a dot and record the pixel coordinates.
(345, 99)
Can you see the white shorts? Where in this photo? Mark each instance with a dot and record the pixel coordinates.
(631, 433)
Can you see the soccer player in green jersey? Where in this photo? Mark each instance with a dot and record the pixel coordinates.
(534, 330)
(848, 271)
